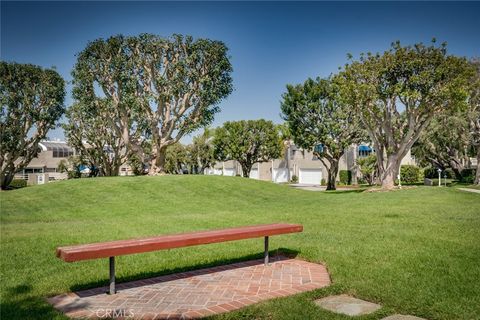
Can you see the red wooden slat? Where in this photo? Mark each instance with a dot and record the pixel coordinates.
(123, 247)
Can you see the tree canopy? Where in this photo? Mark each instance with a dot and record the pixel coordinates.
(474, 114)
(248, 142)
(158, 88)
(32, 102)
(320, 122)
(397, 93)
(445, 142)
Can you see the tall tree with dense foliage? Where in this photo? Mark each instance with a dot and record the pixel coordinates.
(176, 159)
(32, 102)
(248, 142)
(397, 93)
(320, 122)
(202, 151)
(474, 115)
(163, 87)
(97, 143)
(445, 142)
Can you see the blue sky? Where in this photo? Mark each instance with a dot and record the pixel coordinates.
(270, 43)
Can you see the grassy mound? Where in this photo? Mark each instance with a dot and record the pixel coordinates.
(413, 251)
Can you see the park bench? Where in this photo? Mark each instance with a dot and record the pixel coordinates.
(112, 249)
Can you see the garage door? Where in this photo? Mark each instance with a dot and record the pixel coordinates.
(310, 176)
(229, 172)
(253, 174)
(280, 175)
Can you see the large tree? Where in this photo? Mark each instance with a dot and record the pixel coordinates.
(248, 142)
(94, 139)
(397, 93)
(32, 102)
(319, 121)
(474, 115)
(445, 142)
(165, 87)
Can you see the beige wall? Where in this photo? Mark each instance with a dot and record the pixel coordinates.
(47, 163)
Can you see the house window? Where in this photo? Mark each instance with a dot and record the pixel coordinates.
(62, 152)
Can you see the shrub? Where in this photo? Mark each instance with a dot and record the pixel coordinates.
(421, 174)
(409, 174)
(362, 180)
(294, 179)
(367, 166)
(74, 174)
(323, 182)
(18, 183)
(432, 173)
(468, 175)
(345, 176)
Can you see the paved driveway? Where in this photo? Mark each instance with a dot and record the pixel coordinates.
(309, 187)
(317, 187)
(469, 190)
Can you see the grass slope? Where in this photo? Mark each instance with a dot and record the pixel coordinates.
(414, 251)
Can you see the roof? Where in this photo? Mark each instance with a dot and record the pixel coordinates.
(364, 148)
(55, 145)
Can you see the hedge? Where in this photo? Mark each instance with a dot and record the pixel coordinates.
(409, 174)
(468, 175)
(18, 183)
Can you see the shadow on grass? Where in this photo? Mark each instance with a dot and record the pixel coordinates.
(28, 308)
(20, 289)
(280, 252)
(340, 191)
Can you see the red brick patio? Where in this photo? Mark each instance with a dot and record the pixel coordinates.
(196, 293)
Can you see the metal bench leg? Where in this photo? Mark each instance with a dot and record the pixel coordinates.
(112, 276)
(265, 254)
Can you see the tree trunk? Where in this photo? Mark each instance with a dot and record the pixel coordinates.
(477, 175)
(157, 165)
(457, 167)
(246, 168)
(6, 179)
(391, 171)
(332, 175)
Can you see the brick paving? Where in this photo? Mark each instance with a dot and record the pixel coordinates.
(198, 293)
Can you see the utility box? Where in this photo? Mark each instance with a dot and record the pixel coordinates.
(428, 182)
(37, 178)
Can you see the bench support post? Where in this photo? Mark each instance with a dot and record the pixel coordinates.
(265, 254)
(112, 276)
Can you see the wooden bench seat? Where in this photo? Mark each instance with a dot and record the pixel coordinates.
(112, 249)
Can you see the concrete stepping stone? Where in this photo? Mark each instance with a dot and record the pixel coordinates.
(402, 317)
(347, 305)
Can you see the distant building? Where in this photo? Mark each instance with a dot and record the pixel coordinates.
(300, 163)
(47, 160)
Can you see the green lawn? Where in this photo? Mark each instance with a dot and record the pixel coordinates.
(415, 251)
